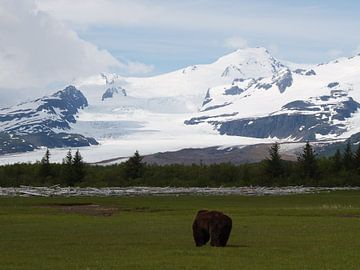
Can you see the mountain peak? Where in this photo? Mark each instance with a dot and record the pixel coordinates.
(249, 52)
(70, 88)
(250, 63)
(252, 49)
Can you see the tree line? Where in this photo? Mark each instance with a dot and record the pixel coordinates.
(341, 169)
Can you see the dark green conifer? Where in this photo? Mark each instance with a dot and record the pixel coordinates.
(337, 161)
(348, 157)
(357, 159)
(134, 166)
(78, 167)
(308, 162)
(45, 167)
(274, 164)
(68, 172)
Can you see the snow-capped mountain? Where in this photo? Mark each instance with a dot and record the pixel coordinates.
(246, 93)
(43, 122)
(318, 103)
(245, 97)
(186, 87)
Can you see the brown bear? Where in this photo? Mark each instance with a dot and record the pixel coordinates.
(212, 225)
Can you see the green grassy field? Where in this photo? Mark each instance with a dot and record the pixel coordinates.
(320, 231)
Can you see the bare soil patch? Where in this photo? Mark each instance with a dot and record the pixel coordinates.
(98, 210)
(349, 216)
(85, 209)
(145, 209)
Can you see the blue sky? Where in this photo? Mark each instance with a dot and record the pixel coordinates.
(48, 44)
(174, 34)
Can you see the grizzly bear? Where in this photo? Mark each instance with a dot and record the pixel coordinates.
(212, 225)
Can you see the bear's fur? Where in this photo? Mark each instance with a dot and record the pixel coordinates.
(212, 225)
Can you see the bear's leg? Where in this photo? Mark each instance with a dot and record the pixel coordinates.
(206, 236)
(224, 236)
(215, 233)
(220, 235)
(201, 236)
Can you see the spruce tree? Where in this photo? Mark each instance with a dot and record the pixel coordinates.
(308, 163)
(45, 169)
(357, 159)
(78, 167)
(348, 157)
(68, 172)
(46, 157)
(68, 159)
(274, 164)
(134, 167)
(337, 161)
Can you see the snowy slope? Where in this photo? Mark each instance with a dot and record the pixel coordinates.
(188, 84)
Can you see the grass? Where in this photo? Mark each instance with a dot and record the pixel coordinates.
(319, 231)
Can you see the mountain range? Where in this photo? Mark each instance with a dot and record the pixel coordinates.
(246, 97)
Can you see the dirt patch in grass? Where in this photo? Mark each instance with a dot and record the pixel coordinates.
(84, 209)
(98, 210)
(144, 209)
(349, 216)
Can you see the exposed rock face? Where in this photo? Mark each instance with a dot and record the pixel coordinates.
(202, 119)
(298, 119)
(305, 72)
(265, 86)
(110, 92)
(333, 84)
(280, 126)
(311, 72)
(283, 80)
(230, 69)
(235, 90)
(207, 98)
(215, 106)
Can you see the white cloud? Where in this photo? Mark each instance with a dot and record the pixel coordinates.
(236, 43)
(36, 50)
(137, 68)
(215, 16)
(109, 12)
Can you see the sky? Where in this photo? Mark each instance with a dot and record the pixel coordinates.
(45, 44)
